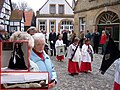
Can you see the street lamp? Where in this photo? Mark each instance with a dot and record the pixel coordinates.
(4, 18)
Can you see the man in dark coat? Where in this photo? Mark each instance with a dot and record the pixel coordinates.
(96, 39)
(65, 38)
(52, 39)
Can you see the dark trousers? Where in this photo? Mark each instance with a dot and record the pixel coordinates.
(95, 48)
(103, 48)
(52, 46)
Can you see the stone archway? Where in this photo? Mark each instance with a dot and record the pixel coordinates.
(108, 17)
(110, 22)
(103, 10)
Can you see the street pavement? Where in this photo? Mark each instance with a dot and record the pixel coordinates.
(84, 81)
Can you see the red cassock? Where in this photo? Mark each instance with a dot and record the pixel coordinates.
(73, 67)
(60, 58)
(116, 86)
(85, 67)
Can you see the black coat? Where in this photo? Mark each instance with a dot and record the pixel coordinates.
(65, 39)
(52, 37)
(96, 38)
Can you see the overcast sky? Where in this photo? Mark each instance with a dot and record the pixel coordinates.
(36, 4)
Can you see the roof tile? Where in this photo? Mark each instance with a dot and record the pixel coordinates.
(28, 18)
(16, 15)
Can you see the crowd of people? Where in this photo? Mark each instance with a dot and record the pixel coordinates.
(79, 50)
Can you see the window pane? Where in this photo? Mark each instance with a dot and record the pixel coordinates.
(52, 9)
(66, 27)
(42, 25)
(52, 23)
(61, 27)
(61, 9)
(68, 23)
(52, 27)
(62, 23)
(65, 22)
(71, 27)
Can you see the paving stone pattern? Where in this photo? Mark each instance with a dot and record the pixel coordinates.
(84, 81)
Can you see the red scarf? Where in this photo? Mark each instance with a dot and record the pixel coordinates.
(39, 54)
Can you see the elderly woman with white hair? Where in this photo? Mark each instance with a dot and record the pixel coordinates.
(41, 59)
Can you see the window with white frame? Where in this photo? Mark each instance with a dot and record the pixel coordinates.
(13, 28)
(61, 9)
(43, 26)
(82, 23)
(52, 25)
(66, 25)
(52, 9)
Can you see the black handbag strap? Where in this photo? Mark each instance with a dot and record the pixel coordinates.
(75, 51)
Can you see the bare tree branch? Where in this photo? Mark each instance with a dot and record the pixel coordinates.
(21, 6)
(14, 5)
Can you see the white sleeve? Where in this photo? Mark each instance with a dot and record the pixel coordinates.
(69, 52)
(57, 43)
(84, 52)
(117, 65)
(92, 49)
(79, 52)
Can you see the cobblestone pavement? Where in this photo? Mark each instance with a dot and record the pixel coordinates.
(90, 81)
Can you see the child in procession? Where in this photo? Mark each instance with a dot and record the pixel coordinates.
(73, 65)
(58, 43)
(87, 56)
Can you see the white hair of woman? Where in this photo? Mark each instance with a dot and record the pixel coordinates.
(23, 36)
(38, 36)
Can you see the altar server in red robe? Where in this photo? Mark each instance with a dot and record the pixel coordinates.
(87, 56)
(73, 64)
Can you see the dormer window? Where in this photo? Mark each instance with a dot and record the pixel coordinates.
(61, 9)
(52, 9)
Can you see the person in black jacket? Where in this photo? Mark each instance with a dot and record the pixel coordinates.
(96, 39)
(52, 39)
(65, 38)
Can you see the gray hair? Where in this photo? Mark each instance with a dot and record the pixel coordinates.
(23, 36)
(38, 36)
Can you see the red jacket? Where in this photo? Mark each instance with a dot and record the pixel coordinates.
(103, 39)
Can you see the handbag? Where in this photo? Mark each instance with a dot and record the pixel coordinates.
(17, 58)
